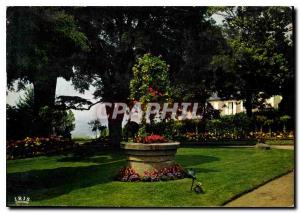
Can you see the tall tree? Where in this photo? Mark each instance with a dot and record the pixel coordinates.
(119, 35)
(41, 43)
(259, 57)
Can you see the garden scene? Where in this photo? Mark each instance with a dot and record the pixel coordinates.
(150, 106)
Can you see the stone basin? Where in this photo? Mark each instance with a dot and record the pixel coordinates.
(147, 157)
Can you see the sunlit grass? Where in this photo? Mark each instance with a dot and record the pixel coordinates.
(88, 180)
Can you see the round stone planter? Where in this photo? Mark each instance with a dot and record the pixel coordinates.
(147, 157)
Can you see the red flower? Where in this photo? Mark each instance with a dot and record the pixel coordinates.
(154, 139)
(154, 92)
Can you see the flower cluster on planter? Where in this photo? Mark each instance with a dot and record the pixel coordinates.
(127, 174)
(30, 147)
(151, 139)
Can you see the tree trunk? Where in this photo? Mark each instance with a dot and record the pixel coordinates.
(44, 95)
(248, 104)
(115, 132)
(44, 92)
(114, 127)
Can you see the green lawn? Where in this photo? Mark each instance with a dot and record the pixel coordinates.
(77, 180)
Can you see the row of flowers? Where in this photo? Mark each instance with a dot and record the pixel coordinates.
(34, 146)
(272, 135)
(127, 174)
(207, 136)
(151, 139)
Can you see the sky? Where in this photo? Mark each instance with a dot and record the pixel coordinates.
(82, 118)
(82, 129)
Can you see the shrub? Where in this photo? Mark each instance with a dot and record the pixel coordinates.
(22, 121)
(214, 126)
(174, 128)
(30, 147)
(279, 121)
(230, 126)
(284, 119)
(242, 125)
(61, 121)
(158, 127)
(96, 127)
(150, 83)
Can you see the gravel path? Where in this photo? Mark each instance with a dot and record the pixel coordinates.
(277, 193)
(290, 147)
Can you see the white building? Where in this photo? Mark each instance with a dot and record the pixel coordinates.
(232, 106)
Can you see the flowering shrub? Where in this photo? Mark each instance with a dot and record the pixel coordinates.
(128, 174)
(154, 92)
(169, 173)
(36, 146)
(212, 137)
(272, 135)
(150, 83)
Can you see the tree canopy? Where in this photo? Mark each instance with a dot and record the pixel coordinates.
(118, 36)
(41, 46)
(259, 58)
(99, 46)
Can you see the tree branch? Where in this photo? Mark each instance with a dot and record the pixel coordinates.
(75, 102)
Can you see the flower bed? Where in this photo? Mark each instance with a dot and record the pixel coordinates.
(128, 174)
(151, 139)
(252, 137)
(30, 147)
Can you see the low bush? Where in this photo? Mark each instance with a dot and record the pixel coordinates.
(238, 127)
(271, 120)
(173, 128)
(230, 126)
(30, 147)
(272, 135)
(22, 120)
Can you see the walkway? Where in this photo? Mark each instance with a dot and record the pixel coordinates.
(276, 193)
(290, 147)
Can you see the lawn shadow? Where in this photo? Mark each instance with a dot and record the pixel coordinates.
(204, 170)
(92, 159)
(93, 155)
(193, 160)
(50, 183)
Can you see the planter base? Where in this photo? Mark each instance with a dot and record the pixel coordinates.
(149, 157)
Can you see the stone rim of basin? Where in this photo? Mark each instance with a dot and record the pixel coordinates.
(150, 146)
